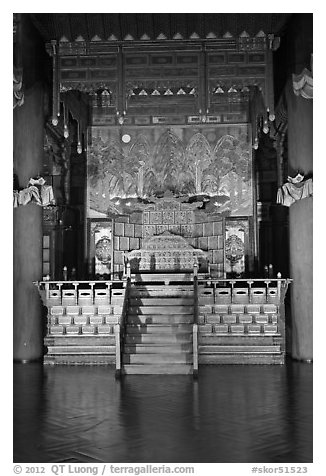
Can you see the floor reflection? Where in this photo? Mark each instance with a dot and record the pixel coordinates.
(233, 414)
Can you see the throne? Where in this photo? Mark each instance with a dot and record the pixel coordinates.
(166, 254)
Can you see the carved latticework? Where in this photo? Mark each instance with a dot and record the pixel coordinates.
(168, 214)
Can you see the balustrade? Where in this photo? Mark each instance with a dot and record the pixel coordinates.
(54, 293)
(83, 321)
(246, 291)
(241, 320)
(86, 320)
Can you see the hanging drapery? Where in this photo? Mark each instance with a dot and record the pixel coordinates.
(303, 83)
(17, 88)
(36, 192)
(295, 189)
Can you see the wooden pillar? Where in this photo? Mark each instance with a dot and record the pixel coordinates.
(28, 122)
(292, 57)
(300, 143)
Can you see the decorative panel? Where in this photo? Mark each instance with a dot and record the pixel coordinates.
(68, 62)
(101, 246)
(212, 164)
(143, 78)
(106, 61)
(186, 59)
(87, 61)
(136, 60)
(251, 70)
(169, 214)
(236, 247)
(76, 74)
(236, 58)
(166, 59)
(216, 58)
(256, 58)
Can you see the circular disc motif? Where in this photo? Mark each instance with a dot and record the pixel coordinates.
(234, 248)
(103, 250)
(126, 138)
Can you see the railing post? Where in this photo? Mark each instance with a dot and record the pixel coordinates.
(249, 282)
(128, 272)
(195, 269)
(60, 290)
(120, 330)
(92, 291)
(232, 282)
(47, 291)
(76, 286)
(108, 287)
(117, 351)
(279, 284)
(195, 349)
(195, 328)
(281, 290)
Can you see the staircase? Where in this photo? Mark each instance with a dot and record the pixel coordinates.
(159, 330)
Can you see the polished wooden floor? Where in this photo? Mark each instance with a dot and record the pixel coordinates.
(232, 414)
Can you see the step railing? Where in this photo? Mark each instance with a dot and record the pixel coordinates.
(120, 331)
(195, 324)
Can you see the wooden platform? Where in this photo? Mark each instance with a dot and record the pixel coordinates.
(147, 327)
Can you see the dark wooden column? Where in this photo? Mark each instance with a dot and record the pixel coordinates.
(293, 56)
(28, 121)
(300, 128)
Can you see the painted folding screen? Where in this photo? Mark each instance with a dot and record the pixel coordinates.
(209, 163)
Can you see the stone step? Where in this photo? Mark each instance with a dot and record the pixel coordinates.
(241, 359)
(158, 348)
(81, 349)
(161, 310)
(161, 291)
(92, 340)
(157, 338)
(239, 349)
(157, 319)
(163, 369)
(152, 359)
(158, 328)
(161, 301)
(245, 339)
(79, 359)
(164, 278)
